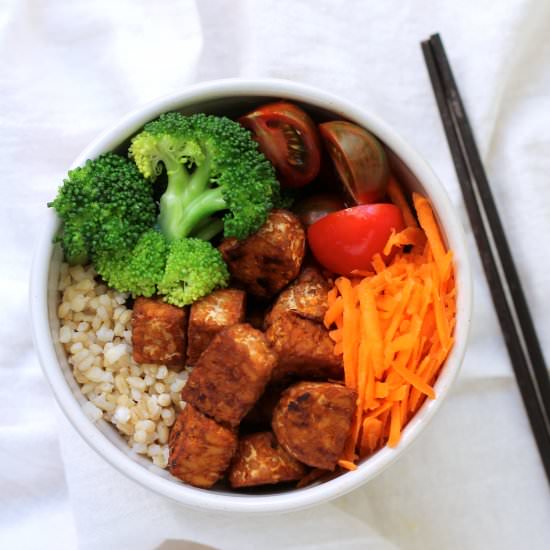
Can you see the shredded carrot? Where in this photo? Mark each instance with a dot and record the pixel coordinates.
(395, 425)
(440, 318)
(370, 435)
(394, 329)
(363, 381)
(398, 394)
(429, 225)
(398, 198)
(416, 394)
(380, 410)
(372, 330)
(393, 379)
(404, 296)
(350, 444)
(381, 390)
(401, 343)
(414, 380)
(386, 303)
(409, 236)
(385, 419)
(347, 464)
(403, 407)
(378, 263)
(350, 338)
(334, 311)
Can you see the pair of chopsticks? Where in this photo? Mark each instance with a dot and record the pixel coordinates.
(508, 297)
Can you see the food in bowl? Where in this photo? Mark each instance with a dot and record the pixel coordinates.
(352, 301)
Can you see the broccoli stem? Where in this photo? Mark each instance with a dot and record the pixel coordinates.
(199, 179)
(186, 200)
(204, 205)
(178, 176)
(208, 229)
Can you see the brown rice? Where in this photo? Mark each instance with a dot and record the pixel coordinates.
(95, 329)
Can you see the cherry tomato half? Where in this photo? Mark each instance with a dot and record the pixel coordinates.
(348, 239)
(313, 208)
(288, 137)
(359, 159)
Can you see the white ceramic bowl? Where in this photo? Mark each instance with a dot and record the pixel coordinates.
(233, 97)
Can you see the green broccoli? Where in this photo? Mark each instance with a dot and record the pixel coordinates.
(105, 207)
(213, 166)
(217, 180)
(194, 269)
(137, 270)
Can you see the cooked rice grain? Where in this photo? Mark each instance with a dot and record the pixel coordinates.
(95, 330)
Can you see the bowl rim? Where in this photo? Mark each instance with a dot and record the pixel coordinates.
(294, 499)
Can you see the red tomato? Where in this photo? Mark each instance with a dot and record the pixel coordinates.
(348, 239)
(359, 159)
(288, 137)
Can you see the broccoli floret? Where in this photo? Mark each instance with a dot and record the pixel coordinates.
(138, 270)
(194, 269)
(213, 165)
(105, 206)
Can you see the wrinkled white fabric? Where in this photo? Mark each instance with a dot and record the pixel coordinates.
(69, 69)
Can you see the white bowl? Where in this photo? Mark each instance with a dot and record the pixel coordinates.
(228, 97)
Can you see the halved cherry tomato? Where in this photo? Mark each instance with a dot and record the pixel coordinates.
(288, 137)
(313, 208)
(348, 239)
(359, 159)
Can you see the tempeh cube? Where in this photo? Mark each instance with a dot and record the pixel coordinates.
(231, 374)
(159, 332)
(211, 314)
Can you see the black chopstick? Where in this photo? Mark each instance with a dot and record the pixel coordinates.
(504, 283)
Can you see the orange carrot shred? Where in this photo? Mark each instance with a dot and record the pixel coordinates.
(371, 432)
(381, 390)
(398, 198)
(402, 342)
(429, 225)
(335, 310)
(378, 263)
(440, 318)
(414, 380)
(347, 464)
(385, 419)
(363, 383)
(393, 327)
(371, 328)
(380, 410)
(350, 337)
(398, 394)
(404, 299)
(395, 425)
(404, 403)
(409, 236)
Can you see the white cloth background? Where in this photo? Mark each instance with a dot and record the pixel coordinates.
(70, 68)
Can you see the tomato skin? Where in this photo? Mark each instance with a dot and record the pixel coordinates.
(288, 137)
(348, 239)
(313, 208)
(359, 159)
